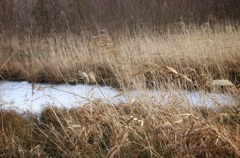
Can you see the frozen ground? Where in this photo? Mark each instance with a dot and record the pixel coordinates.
(22, 97)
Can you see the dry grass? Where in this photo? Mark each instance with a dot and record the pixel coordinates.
(134, 129)
(190, 59)
(198, 54)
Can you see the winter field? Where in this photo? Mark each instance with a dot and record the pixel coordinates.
(141, 94)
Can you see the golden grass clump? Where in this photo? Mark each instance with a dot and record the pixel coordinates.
(133, 129)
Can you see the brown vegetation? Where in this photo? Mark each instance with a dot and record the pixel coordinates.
(125, 44)
(134, 129)
(189, 59)
(48, 16)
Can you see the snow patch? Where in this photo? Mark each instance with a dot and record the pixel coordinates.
(23, 97)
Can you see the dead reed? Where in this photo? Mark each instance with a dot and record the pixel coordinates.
(193, 59)
(198, 54)
(134, 129)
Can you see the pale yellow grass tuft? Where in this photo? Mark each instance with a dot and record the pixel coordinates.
(222, 83)
(83, 76)
(87, 78)
(92, 77)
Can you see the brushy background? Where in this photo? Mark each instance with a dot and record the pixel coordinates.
(45, 16)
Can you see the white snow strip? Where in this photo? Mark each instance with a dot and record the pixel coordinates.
(21, 97)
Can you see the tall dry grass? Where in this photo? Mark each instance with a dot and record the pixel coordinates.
(199, 54)
(189, 59)
(134, 129)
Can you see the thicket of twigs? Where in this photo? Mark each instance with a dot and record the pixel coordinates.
(45, 16)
